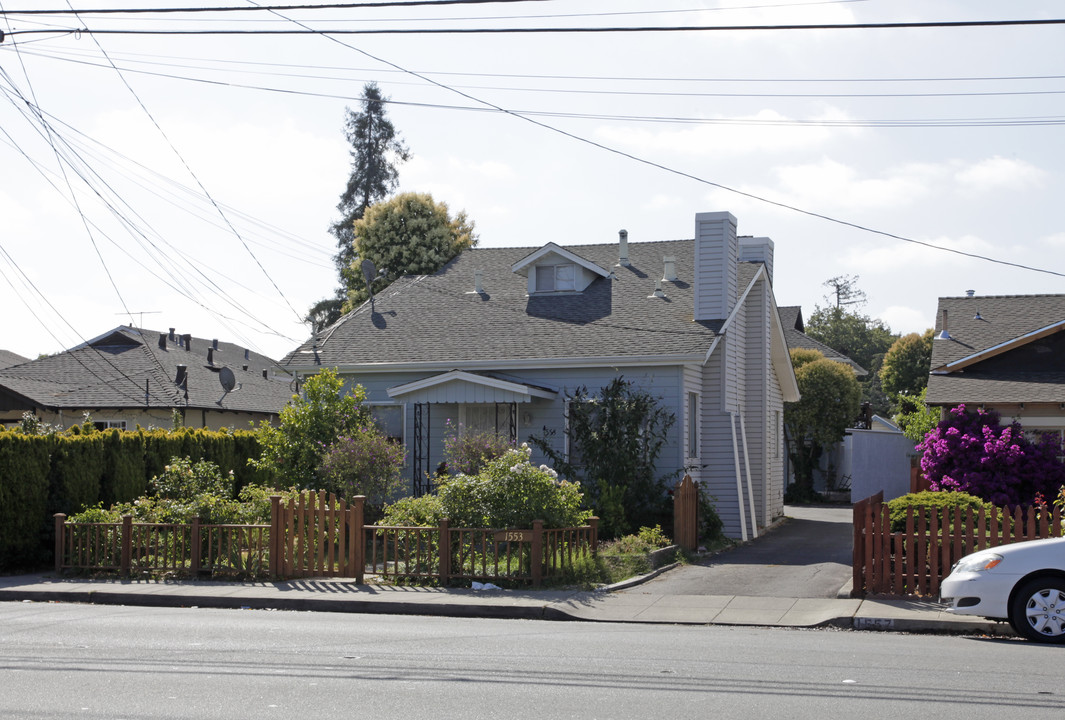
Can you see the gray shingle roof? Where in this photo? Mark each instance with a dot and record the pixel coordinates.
(978, 323)
(796, 337)
(438, 318)
(112, 370)
(8, 358)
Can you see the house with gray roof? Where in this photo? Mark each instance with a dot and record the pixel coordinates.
(499, 338)
(130, 376)
(1004, 353)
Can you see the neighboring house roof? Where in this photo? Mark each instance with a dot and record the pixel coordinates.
(8, 358)
(795, 334)
(998, 349)
(127, 368)
(439, 320)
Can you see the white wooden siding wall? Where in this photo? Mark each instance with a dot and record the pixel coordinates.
(757, 368)
(775, 471)
(718, 475)
(693, 383)
(460, 392)
(735, 375)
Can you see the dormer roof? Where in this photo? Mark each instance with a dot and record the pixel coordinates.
(523, 266)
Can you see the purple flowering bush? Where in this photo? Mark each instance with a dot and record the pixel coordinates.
(974, 453)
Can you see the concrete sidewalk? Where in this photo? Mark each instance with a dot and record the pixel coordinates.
(337, 595)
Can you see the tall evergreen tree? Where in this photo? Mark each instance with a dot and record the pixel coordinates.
(376, 150)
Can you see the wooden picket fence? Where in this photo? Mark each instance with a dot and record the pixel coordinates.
(915, 561)
(317, 535)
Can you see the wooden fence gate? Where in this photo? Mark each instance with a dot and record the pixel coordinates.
(317, 535)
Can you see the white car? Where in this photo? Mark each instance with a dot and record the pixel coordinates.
(1022, 583)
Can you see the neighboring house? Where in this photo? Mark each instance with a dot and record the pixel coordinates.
(796, 337)
(1004, 353)
(8, 358)
(500, 337)
(129, 377)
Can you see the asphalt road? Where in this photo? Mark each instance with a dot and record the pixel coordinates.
(807, 556)
(129, 663)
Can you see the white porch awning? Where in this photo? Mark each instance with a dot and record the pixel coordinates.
(459, 386)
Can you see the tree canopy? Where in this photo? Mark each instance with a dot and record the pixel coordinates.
(861, 338)
(906, 365)
(828, 406)
(408, 234)
(376, 151)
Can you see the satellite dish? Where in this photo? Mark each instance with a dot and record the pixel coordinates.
(369, 271)
(228, 380)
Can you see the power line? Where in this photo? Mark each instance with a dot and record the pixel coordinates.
(245, 8)
(304, 30)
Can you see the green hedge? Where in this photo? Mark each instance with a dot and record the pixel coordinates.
(41, 475)
(941, 503)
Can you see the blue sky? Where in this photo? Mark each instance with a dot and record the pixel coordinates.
(201, 176)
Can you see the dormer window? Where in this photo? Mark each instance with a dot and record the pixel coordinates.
(555, 278)
(553, 269)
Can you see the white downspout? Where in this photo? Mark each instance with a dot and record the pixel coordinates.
(750, 486)
(739, 481)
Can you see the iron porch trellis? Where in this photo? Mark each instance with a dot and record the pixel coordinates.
(422, 480)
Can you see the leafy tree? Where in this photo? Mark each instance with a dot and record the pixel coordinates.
(974, 453)
(915, 417)
(615, 439)
(309, 425)
(861, 338)
(409, 234)
(845, 290)
(906, 365)
(829, 404)
(376, 150)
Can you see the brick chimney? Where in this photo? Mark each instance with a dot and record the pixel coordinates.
(716, 254)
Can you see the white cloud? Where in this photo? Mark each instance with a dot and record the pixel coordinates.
(904, 320)
(999, 173)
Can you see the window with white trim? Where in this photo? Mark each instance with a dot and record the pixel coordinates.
(109, 424)
(390, 420)
(556, 278)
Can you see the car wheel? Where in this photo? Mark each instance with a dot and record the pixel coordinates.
(1038, 610)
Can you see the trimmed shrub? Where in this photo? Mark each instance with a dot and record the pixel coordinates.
(938, 503)
(25, 525)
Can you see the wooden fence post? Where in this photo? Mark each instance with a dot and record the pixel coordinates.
(593, 523)
(275, 535)
(537, 553)
(358, 509)
(60, 527)
(197, 547)
(127, 544)
(444, 552)
(685, 514)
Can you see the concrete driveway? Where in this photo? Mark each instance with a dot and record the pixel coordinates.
(808, 555)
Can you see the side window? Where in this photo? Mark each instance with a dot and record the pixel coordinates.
(389, 418)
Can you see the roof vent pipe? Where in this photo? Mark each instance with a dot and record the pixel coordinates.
(943, 334)
(623, 248)
(246, 353)
(266, 374)
(214, 343)
(970, 293)
(478, 282)
(172, 338)
(669, 271)
(162, 341)
(187, 339)
(210, 356)
(182, 375)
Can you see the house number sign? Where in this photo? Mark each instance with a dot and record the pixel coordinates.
(514, 536)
